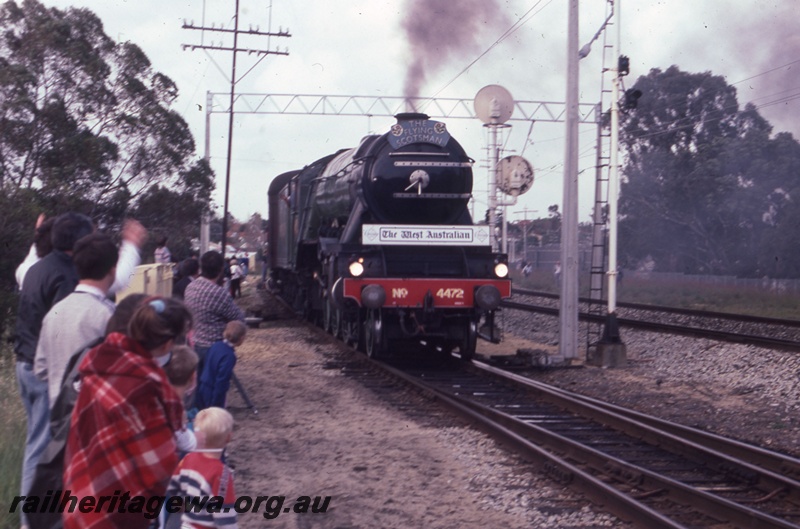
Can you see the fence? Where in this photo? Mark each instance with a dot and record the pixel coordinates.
(547, 256)
(781, 286)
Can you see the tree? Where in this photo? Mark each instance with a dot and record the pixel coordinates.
(254, 232)
(701, 176)
(87, 125)
(83, 115)
(173, 212)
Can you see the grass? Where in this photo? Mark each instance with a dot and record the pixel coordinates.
(12, 437)
(680, 294)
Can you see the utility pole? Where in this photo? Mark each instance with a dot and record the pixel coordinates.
(494, 158)
(205, 230)
(235, 50)
(568, 310)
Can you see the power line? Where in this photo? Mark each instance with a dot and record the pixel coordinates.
(720, 113)
(768, 71)
(514, 27)
(234, 50)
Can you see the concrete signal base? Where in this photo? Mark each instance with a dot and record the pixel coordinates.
(608, 355)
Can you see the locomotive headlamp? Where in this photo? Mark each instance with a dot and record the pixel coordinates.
(357, 267)
(501, 270)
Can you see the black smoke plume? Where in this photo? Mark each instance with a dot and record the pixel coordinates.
(439, 31)
(768, 44)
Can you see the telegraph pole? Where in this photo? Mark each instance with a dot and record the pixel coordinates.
(205, 230)
(235, 50)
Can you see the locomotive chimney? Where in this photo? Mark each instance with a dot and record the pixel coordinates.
(408, 116)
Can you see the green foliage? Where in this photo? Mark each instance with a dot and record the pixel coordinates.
(678, 293)
(84, 116)
(707, 189)
(175, 213)
(253, 233)
(540, 279)
(86, 125)
(702, 296)
(12, 436)
(18, 212)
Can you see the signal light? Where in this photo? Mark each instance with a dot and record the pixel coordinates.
(623, 66)
(631, 99)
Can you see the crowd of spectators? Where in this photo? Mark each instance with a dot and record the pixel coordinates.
(109, 391)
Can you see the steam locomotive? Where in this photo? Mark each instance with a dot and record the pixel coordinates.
(376, 244)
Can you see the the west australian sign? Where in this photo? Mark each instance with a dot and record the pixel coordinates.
(425, 235)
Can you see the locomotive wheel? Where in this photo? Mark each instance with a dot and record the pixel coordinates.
(331, 319)
(336, 322)
(470, 341)
(374, 341)
(352, 329)
(326, 315)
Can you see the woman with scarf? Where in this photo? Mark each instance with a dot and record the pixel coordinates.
(121, 449)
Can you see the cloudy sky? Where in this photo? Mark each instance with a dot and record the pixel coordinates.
(368, 48)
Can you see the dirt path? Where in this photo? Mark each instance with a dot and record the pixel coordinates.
(319, 433)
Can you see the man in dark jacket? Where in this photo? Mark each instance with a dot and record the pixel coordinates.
(47, 282)
(189, 270)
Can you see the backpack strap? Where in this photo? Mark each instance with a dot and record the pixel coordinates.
(227, 475)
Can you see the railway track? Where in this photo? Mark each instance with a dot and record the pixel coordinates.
(738, 328)
(644, 470)
(653, 473)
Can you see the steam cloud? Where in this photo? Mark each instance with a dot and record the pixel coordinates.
(441, 30)
(779, 44)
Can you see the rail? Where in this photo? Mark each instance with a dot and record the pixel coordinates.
(641, 472)
(711, 328)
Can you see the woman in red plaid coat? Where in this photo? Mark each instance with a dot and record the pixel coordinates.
(121, 449)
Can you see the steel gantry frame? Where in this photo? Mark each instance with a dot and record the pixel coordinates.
(385, 106)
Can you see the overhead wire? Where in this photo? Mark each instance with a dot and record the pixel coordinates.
(511, 30)
(528, 15)
(718, 114)
(768, 71)
(721, 112)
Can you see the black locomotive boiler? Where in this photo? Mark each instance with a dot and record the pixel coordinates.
(376, 243)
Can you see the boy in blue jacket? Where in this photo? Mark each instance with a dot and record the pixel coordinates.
(212, 388)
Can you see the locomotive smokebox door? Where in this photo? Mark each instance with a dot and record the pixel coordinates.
(417, 173)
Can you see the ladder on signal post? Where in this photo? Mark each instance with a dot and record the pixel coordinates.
(599, 258)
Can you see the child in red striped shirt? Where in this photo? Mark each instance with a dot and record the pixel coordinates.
(202, 475)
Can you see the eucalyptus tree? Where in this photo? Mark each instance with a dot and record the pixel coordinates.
(705, 185)
(83, 116)
(86, 124)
